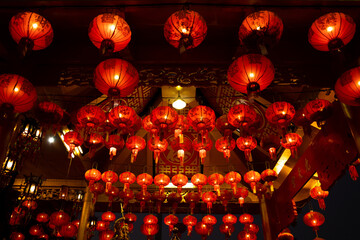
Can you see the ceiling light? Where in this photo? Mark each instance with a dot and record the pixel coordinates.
(51, 139)
(179, 104)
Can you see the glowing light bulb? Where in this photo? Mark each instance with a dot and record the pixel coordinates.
(116, 77)
(251, 75)
(358, 83)
(283, 113)
(329, 29)
(184, 30)
(179, 104)
(35, 25)
(258, 28)
(51, 139)
(112, 27)
(16, 89)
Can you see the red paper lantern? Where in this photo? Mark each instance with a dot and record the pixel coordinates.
(49, 113)
(149, 230)
(31, 31)
(251, 73)
(246, 218)
(246, 144)
(109, 177)
(16, 216)
(229, 219)
(180, 126)
(233, 178)
(127, 178)
(106, 235)
(122, 117)
(225, 145)
(102, 225)
(109, 32)
(331, 31)
(17, 236)
(43, 236)
(203, 229)
(116, 78)
(112, 193)
(314, 220)
(227, 229)
(252, 177)
(202, 119)
(130, 217)
(192, 198)
(241, 194)
(30, 204)
(93, 141)
(161, 180)
(280, 113)
(179, 180)
(69, 230)
(209, 198)
(285, 235)
(225, 197)
(189, 221)
(150, 219)
(171, 220)
(202, 146)
(199, 180)
(292, 142)
(42, 217)
(216, 180)
(224, 127)
(135, 144)
(181, 148)
(157, 146)
(73, 139)
(158, 197)
(90, 116)
(144, 180)
(16, 93)
(108, 216)
(76, 223)
(97, 189)
(352, 169)
(262, 27)
(271, 143)
(149, 126)
(174, 199)
(269, 175)
(241, 116)
(35, 230)
(114, 143)
(251, 227)
(243, 235)
(318, 110)
(59, 218)
(347, 87)
(164, 117)
(209, 219)
(126, 196)
(185, 29)
(318, 194)
(92, 175)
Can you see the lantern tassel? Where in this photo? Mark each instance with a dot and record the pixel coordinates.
(189, 230)
(321, 202)
(271, 186)
(253, 187)
(241, 201)
(233, 185)
(192, 206)
(353, 172)
(181, 138)
(217, 189)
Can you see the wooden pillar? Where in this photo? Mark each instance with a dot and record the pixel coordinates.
(85, 214)
(265, 218)
(353, 119)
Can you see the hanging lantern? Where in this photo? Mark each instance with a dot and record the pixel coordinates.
(331, 31)
(352, 169)
(97, 189)
(73, 139)
(150, 219)
(246, 218)
(17, 94)
(250, 74)
(292, 142)
(189, 221)
(102, 226)
(243, 235)
(229, 219)
(285, 235)
(161, 180)
(158, 198)
(144, 180)
(106, 127)
(16, 216)
(181, 148)
(209, 198)
(174, 199)
(202, 146)
(269, 176)
(314, 220)
(203, 229)
(252, 177)
(31, 31)
(90, 116)
(109, 32)
(225, 197)
(251, 227)
(180, 126)
(108, 216)
(76, 223)
(35, 230)
(227, 229)
(69, 230)
(127, 178)
(318, 110)
(122, 117)
(241, 194)
(135, 144)
(171, 220)
(202, 119)
(209, 219)
(42, 217)
(216, 180)
(185, 29)
(179, 180)
(112, 193)
(106, 235)
(114, 144)
(271, 143)
(318, 194)
(157, 146)
(224, 127)
(59, 218)
(233, 178)
(126, 196)
(49, 113)
(246, 144)
(241, 116)
(130, 217)
(199, 180)
(280, 114)
(43, 236)
(225, 145)
(149, 230)
(347, 87)
(17, 236)
(93, 142)
(109, 177)
(92, 175)
(30, 204)
(150, 127)
(192, 198)
(164, 117)
(116, 78)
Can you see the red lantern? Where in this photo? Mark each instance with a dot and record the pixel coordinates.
(190, 222)
(126, 196)
(127, 178)
(102, 225)
(76, 223)
(246, 218)
(116, 78)
(109, 32)
(150, 219)
(112, 193)
(318, 194)
(202, 119)
(318, 110)
(149, 230)
(42, 217)
(109, 177)
(92, 175)
(233, 178)
(108, 216)
(97, 188)
(122, 117)
(91, 116)
(185, 29)
(225, 197)
(280, 113)
(224, 127)
(229, 219)
(73, 139)
(106, 235)
(164, 117)
(157, 146)
(149, 126)
(347, 87)
(131, 130)
(209, 219)
(292, 142)
(216, 180)
(114, 143)
(181, 126)
(209, 198)
(30, 204)
(241, 194)
(246, 144)
(17, 236)
(16, 216)
(242, 116)
(171, 220)
(331, 31)
(69, 230)
(135, 144)
(271, 143)
(179, 180)
(158, 198)
(252, 177)
(251, 73)
(269, 176)
(43, 236)
(93, 141)
(31, 31)
(352, 169)
(130, 217)
(16, 93)
(285, 235)
(251, 227)
(314, 220)
(144, 180)
(49, 113)
(59, 218)
(202, 146)
(174, 199)
(227, 229)
(225, 145)
(192, 198)
(203, 229)
(181, 148)
(243, 235)
(161, 180)
(199, 180)
(35, 230)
